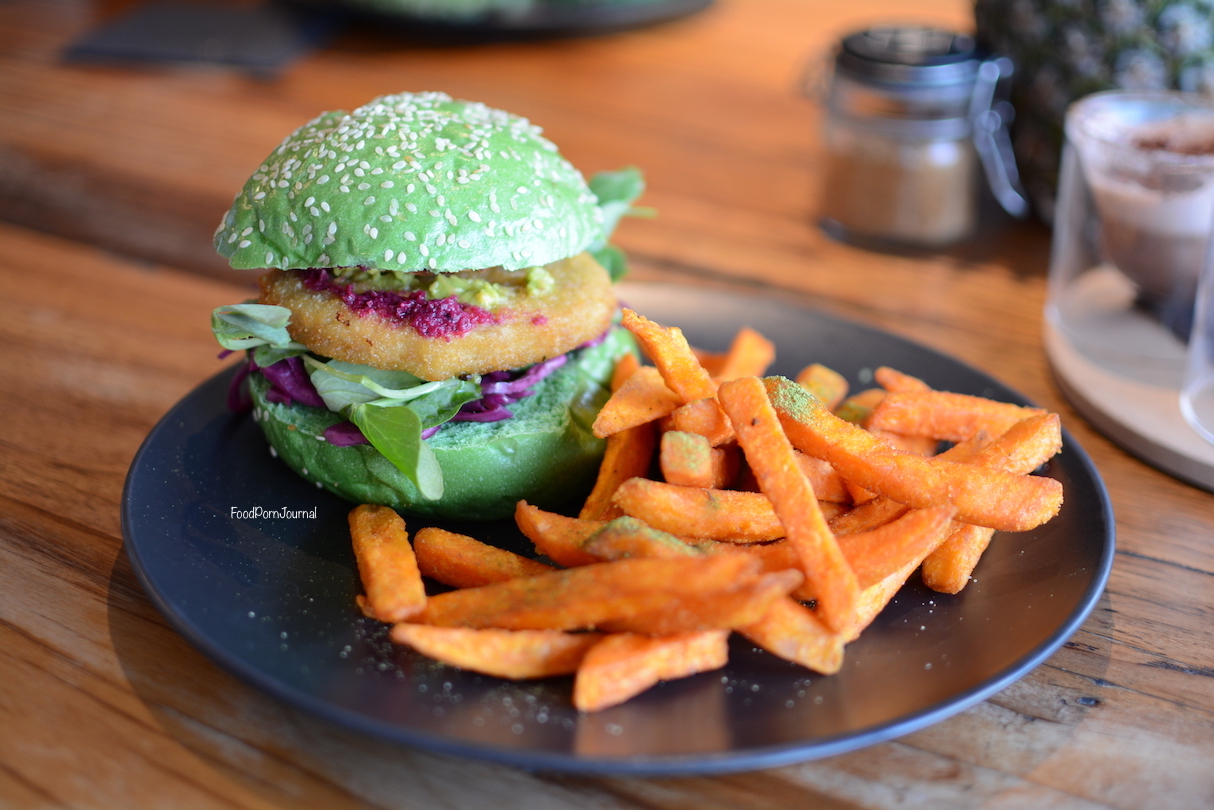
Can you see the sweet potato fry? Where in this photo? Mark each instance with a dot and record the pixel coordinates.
(919, 445)
(682, 373)
(1024, 447)
(627, 537)
(513, 654)
(775, 556)
(464, 562)
(771, 456)
(690, 460)
(874, 598)
(859, 495)
(624, 368)
(744, 602)
(629, 454)
(1021, 449)
(749, 355)
(945, 416)
(673, 357)
(949, 567)
(557, 537)
(685, 459)
(872, 554)
(703, 416)
(623, 665)
(792, 631)
(867, 516)
(893, 380)
(858, 408)
(964, 451)
(876, 554)
(828, 385)
(642, 398)
(1001, 500)
(716, 514)
(386, 564)
(656, 596)
(712, 362)
(726, 464)
(827, 483)
(878, 511)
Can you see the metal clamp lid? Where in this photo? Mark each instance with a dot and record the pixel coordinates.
(909, 55)
(990, 118)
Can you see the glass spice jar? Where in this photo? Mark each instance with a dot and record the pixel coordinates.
(912, 117)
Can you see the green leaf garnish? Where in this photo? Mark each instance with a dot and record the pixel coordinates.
(613, 261)
(616, 192)
(396, 433)
(247, 326)
(392, 408)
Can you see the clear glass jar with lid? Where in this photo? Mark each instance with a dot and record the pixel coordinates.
(911, 119)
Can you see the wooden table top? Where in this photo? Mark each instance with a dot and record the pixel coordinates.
(113, 179)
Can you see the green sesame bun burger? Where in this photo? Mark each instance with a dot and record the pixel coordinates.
(436, 325)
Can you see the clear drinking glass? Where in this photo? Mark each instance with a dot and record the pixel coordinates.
(1136, 202)
(1197, 394)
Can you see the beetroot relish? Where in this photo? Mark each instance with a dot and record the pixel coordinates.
(441, 317)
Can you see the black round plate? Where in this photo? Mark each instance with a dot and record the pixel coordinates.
(271, 597)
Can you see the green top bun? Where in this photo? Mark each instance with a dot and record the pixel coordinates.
(412, 182)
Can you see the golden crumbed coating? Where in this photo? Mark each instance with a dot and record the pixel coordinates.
(578, 308)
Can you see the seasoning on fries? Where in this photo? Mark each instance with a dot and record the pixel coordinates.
(788, 511)
(690, 459)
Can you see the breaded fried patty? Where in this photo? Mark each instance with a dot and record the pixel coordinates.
(529, 329)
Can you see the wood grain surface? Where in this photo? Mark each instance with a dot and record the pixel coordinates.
(112, 179)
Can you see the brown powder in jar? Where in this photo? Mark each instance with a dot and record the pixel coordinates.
(916, 192)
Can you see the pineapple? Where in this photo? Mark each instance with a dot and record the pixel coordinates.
(1065, 49)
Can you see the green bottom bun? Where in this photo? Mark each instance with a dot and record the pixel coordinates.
(544, 454)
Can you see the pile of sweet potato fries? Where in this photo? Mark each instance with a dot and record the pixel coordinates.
(783, 510)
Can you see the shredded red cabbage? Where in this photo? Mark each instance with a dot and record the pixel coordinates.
(498, 390)
(344, 434)
(289, 382)
(501, 388)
